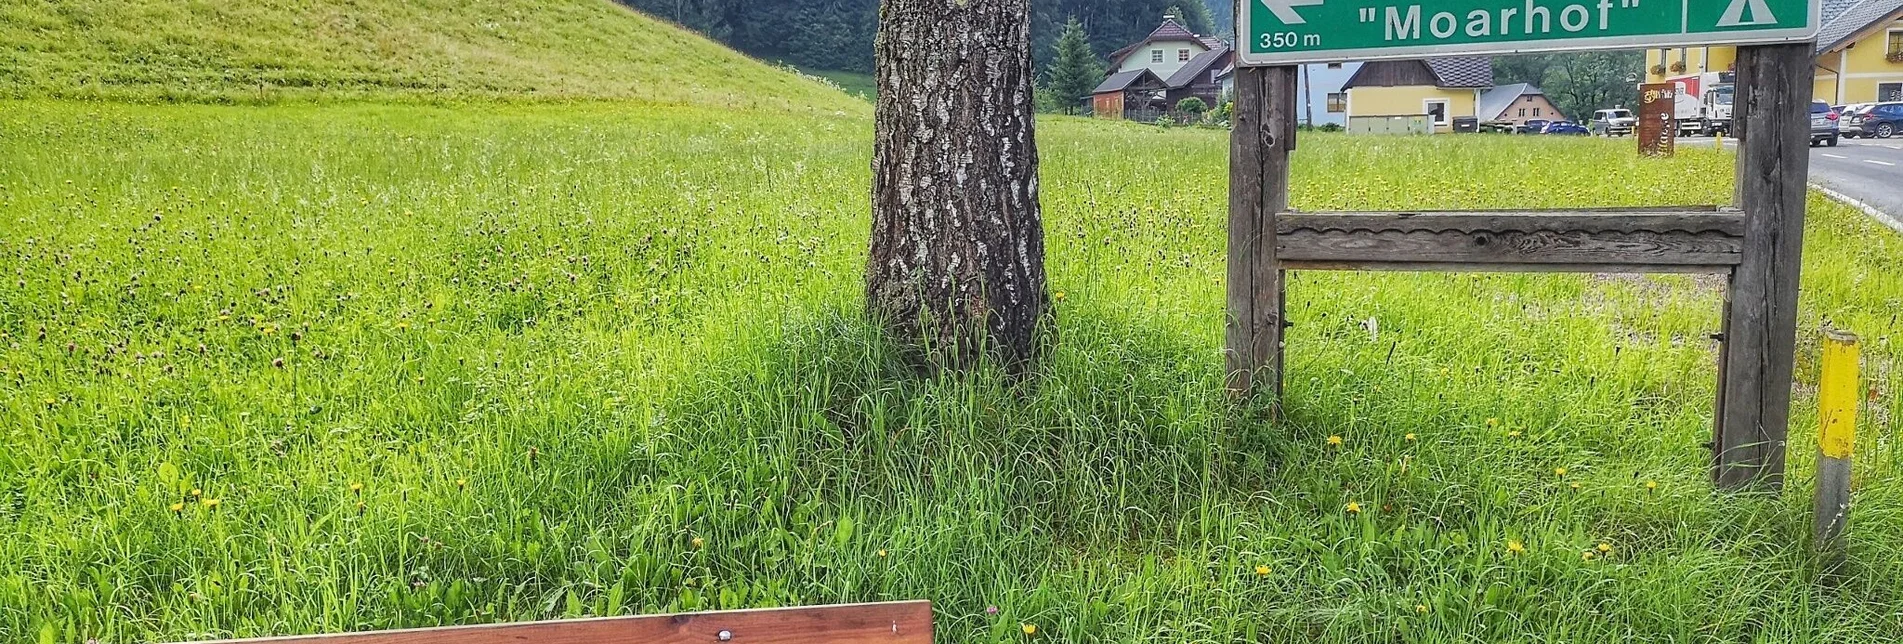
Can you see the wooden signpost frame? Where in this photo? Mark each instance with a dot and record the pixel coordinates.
(1757, 241)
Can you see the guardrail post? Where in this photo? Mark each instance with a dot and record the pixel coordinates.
(1836, 442)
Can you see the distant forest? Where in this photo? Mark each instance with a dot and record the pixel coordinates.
(838, 34)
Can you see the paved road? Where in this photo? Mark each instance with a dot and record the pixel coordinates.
(1868, 170)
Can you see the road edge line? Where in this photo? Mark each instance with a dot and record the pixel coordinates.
(1881, 217)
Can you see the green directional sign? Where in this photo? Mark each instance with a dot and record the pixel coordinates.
(1280, 32)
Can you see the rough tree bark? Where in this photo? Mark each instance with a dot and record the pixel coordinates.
(957, 239)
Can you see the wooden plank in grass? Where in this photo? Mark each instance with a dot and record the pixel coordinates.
(884, 623)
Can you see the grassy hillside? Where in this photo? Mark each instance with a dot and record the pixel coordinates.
(261, 50)
(312, 368)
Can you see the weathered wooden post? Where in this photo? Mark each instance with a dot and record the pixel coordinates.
(1836, 443)
(1262, 137)
(1759, 337)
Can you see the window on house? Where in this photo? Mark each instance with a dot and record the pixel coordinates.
(1337, 102)
(1896, 42)
(1436, 110)
(1334, 65)
(1536, 111)
(1156, 55)
(1888, 92)
(1522, 112)
(1182, 55)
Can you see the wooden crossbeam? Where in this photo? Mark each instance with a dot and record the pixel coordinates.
(886, 623)
(1694, 239)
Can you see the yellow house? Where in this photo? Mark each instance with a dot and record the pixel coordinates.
(1415, 96)
(1859, 54)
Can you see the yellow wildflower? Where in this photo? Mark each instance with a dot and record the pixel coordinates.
(1513, 434)
(462, 483)
(1334, 440)
(1588, 555)
(178, 507)
(356, 488)
(1261, 571)
(698, 542)
(197, 492)
(1559, 471)
(1060, 296)
(210, 503)
(1651, 485)
(1354, 508)
(1575, 487)
(1493, 422)
(1411, 437)
(1030, 629)
(1420, 608)
(1516, 547)
(1605, 548)
(882, 553)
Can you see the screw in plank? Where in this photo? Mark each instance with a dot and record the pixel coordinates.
(725, 636)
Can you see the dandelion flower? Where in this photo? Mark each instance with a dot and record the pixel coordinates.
(1030, 629)
(1420, 608)
(462, 483)
(356, 488)
(1588, 555)
(1575, 487)
(1559, 471)
(882, 553)
(1354, 508)
(1334, 440)
(698, 542)
(1516, 547)
(210, 503)
(1493, 422)
(1513, 434)
(1651, 485)
(197, 492)
(1605, 548)
(1412, 437)
(1261, 571)
(178, 507)
(1060, 296)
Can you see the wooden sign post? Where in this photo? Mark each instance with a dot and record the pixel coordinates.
(1756, 241)
(1658, 127)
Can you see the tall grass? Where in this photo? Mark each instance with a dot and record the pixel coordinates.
(436, 51)
(450, 365)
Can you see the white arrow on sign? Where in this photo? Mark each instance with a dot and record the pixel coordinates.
(1734, 14)
(1284, 10)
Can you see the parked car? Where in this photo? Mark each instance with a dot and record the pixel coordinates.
(1614, 122)
(1823, 124)
(1882, 121)
(1849, 119)
(1565, 127)
(1534, 126)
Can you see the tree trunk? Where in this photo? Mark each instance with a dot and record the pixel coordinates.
(957, 264)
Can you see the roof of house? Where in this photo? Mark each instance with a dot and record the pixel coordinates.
(1496, 101)
(1847, 21)
(1123, 80)
(1471, 71)
(1170, 30)
(1197, 68)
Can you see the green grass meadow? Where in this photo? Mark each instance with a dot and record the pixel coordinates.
(315, 368)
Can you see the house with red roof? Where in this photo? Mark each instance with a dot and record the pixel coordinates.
(1150, 77)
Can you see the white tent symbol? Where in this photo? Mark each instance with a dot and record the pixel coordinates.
(1734, 15)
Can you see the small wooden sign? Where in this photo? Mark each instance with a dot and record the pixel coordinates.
(1658, 129)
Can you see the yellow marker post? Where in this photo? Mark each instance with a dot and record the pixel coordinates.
(1836, 439)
